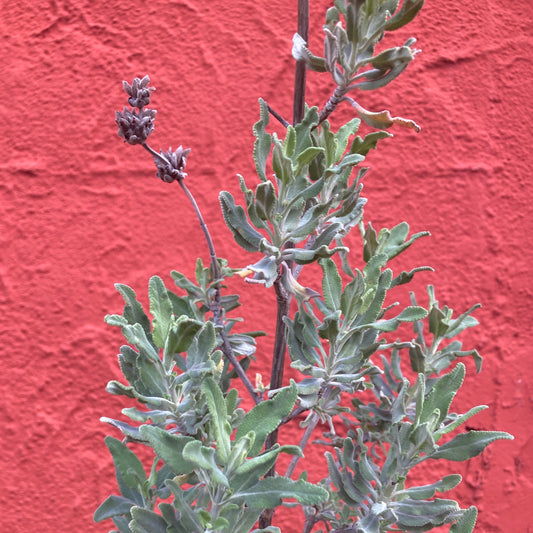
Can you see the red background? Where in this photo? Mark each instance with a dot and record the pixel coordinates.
(80, 211)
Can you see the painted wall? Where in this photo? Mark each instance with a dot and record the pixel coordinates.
(79, 211)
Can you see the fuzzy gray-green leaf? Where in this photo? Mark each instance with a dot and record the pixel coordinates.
(266, 416)
(145, 521)
(219, 417)
(161, 309)
(169, 448)
(126, 462)
(467, 445)
(331, 283)
(113, 506)
(466, 523)
(270, 491)
(263, 141)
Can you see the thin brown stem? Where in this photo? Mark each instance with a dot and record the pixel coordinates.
(309, 523)
(277, 116)
(303, 443)
(215, 306)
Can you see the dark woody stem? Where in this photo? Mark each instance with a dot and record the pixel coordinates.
(216, 308)
(283, 299)
(301, 69)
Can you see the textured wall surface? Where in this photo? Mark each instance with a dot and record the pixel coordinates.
(79, 210)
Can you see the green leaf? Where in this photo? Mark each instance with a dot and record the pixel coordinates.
(428, 491)
(458, 421)
(406, 277)
(442, 393)
(304, 128)
(122, 523)
(219, 418)
(188, 518)
(418, 514)
(172, 517)
(244, 234)
(363, 146)
(343, 135)
(466, 523)
(265, 200)
(270, 491)
(281, 164)
(136, 335)
(181, 335)
(468, 445)
(305, 157)
(145, 521)
(348, 161)
(263, 140)
(376, 304)
(202, 346)
(409, 314)
(133, 311)
(406, 14)
(351, 298)
(266, 416)
(331, 284)
(393, 242)
(204, 458)
(169, 448)
(161, 310)
(252, 470)
(113, 506)
(126, 462)
(462, 322)
(186, 284)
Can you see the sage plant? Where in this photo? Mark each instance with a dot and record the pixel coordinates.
(214, 463)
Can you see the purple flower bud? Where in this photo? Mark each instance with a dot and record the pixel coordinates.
(135, 127)
(171, 164)
(139, 92)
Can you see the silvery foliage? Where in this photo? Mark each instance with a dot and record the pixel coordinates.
(210, 467)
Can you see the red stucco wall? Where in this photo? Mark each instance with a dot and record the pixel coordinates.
(79, 211)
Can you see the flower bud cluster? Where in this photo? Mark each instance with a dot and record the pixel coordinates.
(134, 126)
(139, 92)
(171, 165)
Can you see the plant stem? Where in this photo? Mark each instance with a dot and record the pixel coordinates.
(283, 299)
(309, 523)
(277, 116)
(301, 69)
(303, 443)
(334, 100)
(216, 308)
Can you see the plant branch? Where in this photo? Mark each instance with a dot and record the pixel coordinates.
(277, 116)
(216, 307)
(303, 443)
(334, 100)
(301, 69)
(309, 523)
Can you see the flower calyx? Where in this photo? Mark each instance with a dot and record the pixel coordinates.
(138, 91)
(171, 164)
(135, 127)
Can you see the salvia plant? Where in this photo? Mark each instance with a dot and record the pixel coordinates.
(385, 401)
